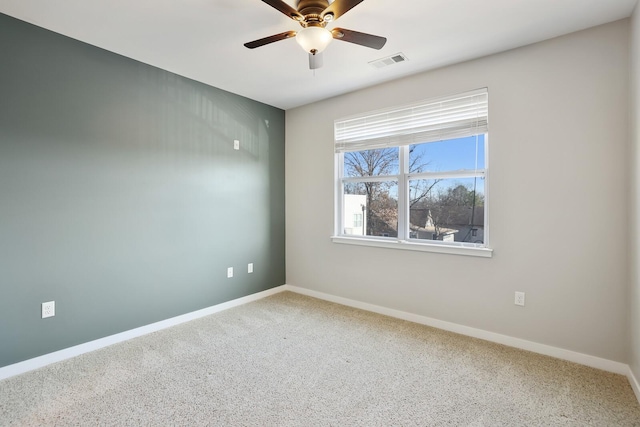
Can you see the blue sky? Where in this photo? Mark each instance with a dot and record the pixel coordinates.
(452, 154)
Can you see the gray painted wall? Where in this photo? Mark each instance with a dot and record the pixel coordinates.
(558, 190)
(121, 197)
(634, 294)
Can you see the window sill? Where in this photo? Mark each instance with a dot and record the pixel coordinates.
(410, 246)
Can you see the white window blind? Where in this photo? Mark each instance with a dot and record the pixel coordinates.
(432, 120)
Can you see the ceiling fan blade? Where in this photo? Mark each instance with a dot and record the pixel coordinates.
(285, 8)
(363, 39)
(275, 38)
(340, 7)
(315, 61)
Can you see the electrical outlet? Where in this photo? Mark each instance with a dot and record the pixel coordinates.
(519, 298)
(250, 268)
(236, 144)
(48, 309)
(230, 272)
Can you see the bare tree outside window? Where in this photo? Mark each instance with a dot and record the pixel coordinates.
(381, 197)
(455, 208)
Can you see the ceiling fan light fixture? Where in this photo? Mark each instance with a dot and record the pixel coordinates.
(314, 39)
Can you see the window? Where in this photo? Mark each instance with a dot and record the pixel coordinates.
(357, 220)
(415, 176)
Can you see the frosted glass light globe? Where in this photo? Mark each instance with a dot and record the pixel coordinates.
(314, 38)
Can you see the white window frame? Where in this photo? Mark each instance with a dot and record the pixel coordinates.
(404, 241)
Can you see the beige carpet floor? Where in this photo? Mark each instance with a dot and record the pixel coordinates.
(290, 360)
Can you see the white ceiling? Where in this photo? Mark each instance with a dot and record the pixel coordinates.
(203, 39)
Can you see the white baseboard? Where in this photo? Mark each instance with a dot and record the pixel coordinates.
(67, 353)
(572, 356)
(635, 385)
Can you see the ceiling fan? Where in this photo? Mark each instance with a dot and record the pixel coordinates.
(313, 16)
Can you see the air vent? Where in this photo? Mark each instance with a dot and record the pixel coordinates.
(389, 60)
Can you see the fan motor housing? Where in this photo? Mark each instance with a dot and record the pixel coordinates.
(312, 7)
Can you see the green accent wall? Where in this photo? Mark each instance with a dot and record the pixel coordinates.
(121, 195)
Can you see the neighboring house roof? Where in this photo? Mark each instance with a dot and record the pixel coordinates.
(432, 229)
(461, 215)
(455, 216)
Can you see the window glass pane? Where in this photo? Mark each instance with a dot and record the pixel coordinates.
(449, 155)
(379, 162)
(357, 220)
(448, 210)
(375, 204)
